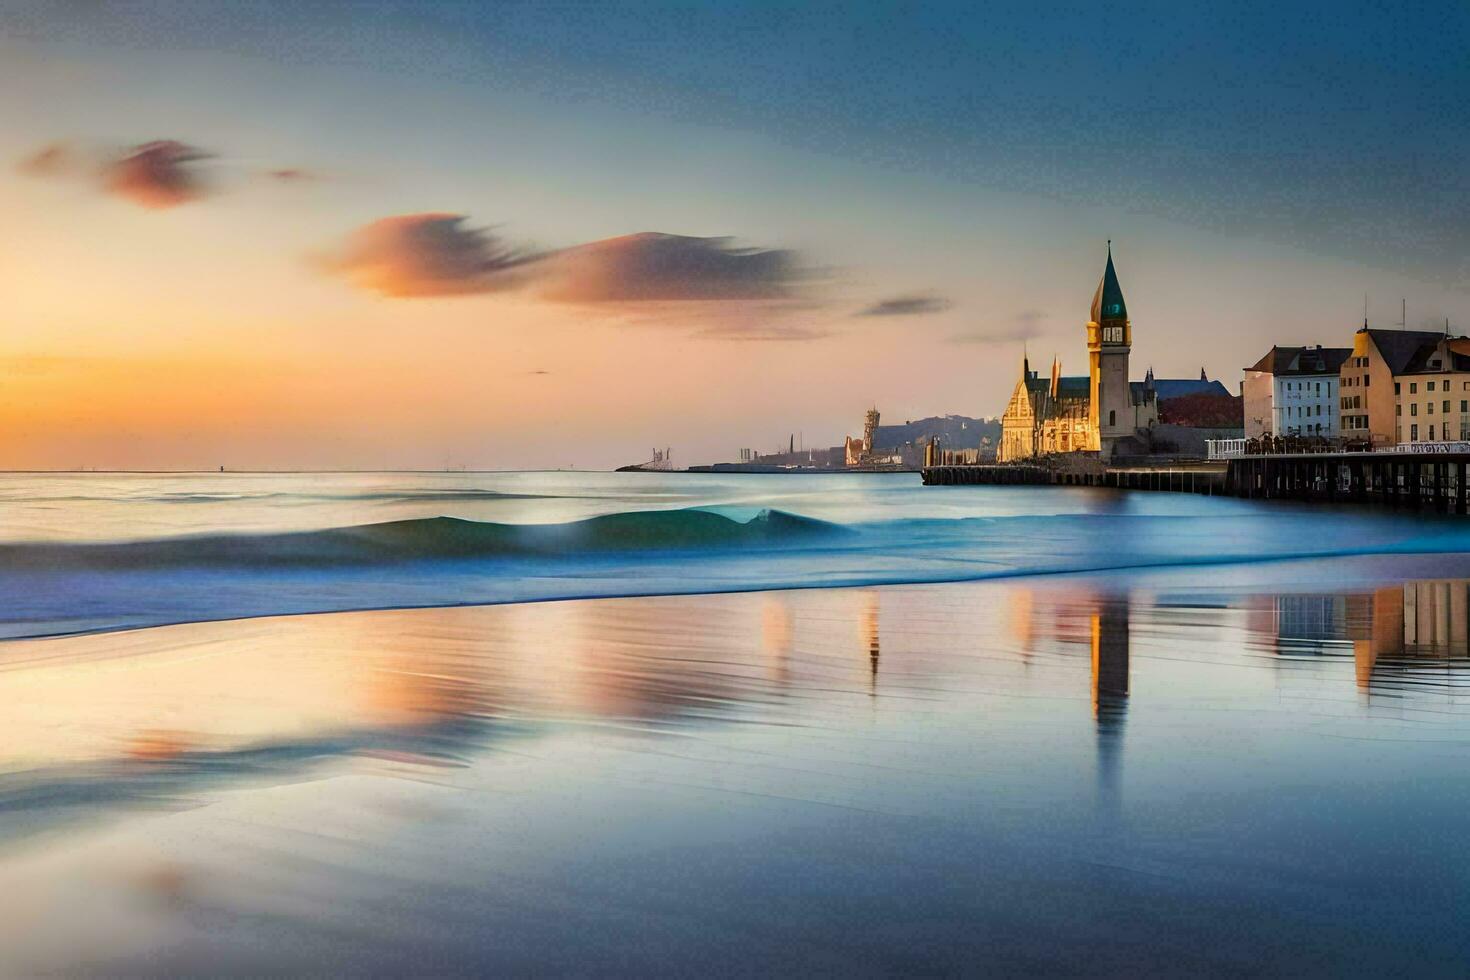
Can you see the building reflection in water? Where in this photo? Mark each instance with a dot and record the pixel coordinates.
(1110, 654)
(1022, 612)
(1419, 621)
(1395, 632)
(870, 634)
(777, 633)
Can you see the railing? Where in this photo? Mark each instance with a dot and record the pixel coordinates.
(1225, 448)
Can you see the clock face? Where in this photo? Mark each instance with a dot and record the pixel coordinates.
(1113, 309)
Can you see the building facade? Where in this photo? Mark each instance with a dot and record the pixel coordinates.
(1432, 394)
(1102, 412)
(1294, 391)
(1377, 395)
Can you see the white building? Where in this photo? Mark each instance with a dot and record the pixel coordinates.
(1293, 391)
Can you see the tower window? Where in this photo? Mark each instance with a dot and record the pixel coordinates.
(1112, 418)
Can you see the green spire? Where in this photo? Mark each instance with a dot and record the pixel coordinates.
(1107, 302)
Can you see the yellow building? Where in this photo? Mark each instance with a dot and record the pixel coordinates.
(1103, 412)
(1406, 386)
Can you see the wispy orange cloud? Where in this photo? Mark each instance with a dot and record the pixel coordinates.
(415, 255)
(654, 267)
(50, 160)
(910, 305)
(157, 175)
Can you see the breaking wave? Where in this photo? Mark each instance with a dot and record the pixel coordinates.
(56, 587)
(430, 539)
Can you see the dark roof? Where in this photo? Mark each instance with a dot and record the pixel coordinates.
(1419, 363)
(1178, 388)
(1074, 387)
(1039, 383)
(1399, 347)
(1302, 360)
(1107, 302)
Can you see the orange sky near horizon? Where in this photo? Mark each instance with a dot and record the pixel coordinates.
(245, 323)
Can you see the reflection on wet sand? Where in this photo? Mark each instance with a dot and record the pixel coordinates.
(1397, 633)
(870, 634)
(410, 779)
(1110, 649)
(152, 713)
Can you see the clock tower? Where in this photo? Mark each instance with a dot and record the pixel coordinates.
(1109, 337)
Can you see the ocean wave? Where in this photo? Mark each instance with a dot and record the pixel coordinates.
(373, 496)
(429, 539)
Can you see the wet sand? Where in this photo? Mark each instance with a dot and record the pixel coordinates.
(1218, 770)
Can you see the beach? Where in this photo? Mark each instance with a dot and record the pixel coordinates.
(1215, 767)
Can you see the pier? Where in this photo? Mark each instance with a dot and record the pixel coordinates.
(1425, 476)
(1206, 478)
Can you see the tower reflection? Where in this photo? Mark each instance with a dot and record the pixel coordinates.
(777, 632)
(1110, 668)
(870, 634)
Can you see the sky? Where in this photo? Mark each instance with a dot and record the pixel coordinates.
(280, 235)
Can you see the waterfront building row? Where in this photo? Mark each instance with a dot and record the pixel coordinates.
(1392, 387)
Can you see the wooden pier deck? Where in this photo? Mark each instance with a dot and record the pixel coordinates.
(1186, 478)
(1437, 481)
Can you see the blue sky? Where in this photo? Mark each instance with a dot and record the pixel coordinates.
(1260, 166)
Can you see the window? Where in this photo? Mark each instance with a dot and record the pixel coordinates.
(1367, 380)
(1431, 433)
(1430, 406)
(1414, 408)
(1429, 386)
(1398, 410)
(1319, 387)
(1413, 388)
(1413, 433)
(1464, 406)
(1112, 418)
(1445, 408)
(1395, 387)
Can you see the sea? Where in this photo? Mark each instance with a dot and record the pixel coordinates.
(650, 723)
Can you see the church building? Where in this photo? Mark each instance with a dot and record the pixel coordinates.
(1103, 412)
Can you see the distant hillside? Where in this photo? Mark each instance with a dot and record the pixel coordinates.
(954, 432)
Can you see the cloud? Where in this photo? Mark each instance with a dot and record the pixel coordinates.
(911, 305)
(771, 331)
(160, 174)
(157, 175)
(417, 255)
(655, 267)
(51, 160)
(1023, 326)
